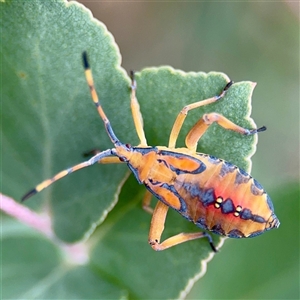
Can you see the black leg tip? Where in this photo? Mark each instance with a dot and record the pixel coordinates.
(263, 128)
(210, 240)
(253, 131)
(213, 247)
(133, 82)
(228, 85)
(85, 60)
(29, 194)
(132, 75)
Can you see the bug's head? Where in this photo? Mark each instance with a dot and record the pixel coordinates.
(124, 152)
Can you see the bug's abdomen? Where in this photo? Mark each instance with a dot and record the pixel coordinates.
(226, 200)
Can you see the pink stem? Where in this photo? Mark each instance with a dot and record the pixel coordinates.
(22, 213)
(75, 253)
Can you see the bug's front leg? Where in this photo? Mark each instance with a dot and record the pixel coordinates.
(157, 228)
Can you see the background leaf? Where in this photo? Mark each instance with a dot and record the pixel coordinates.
(48, 117)
(39, 267)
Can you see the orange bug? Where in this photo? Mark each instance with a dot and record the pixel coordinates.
(212, 193)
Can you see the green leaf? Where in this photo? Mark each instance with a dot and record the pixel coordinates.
(34, 268)
(48, 121)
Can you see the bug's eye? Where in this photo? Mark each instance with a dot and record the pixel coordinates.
(128, 146)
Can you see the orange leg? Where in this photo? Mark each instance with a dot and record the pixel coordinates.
(101, 157)
(157, 228)
(183, 113)
(202, 125)
(136, 113)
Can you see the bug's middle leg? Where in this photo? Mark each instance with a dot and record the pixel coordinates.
(157, 228)
(202, 125)
(183, 113)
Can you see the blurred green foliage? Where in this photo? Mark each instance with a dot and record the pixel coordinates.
(247, 41)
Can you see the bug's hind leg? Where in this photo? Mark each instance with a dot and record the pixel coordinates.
(157, 228)
(202, 125)
(136, 113)
(183, 113)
